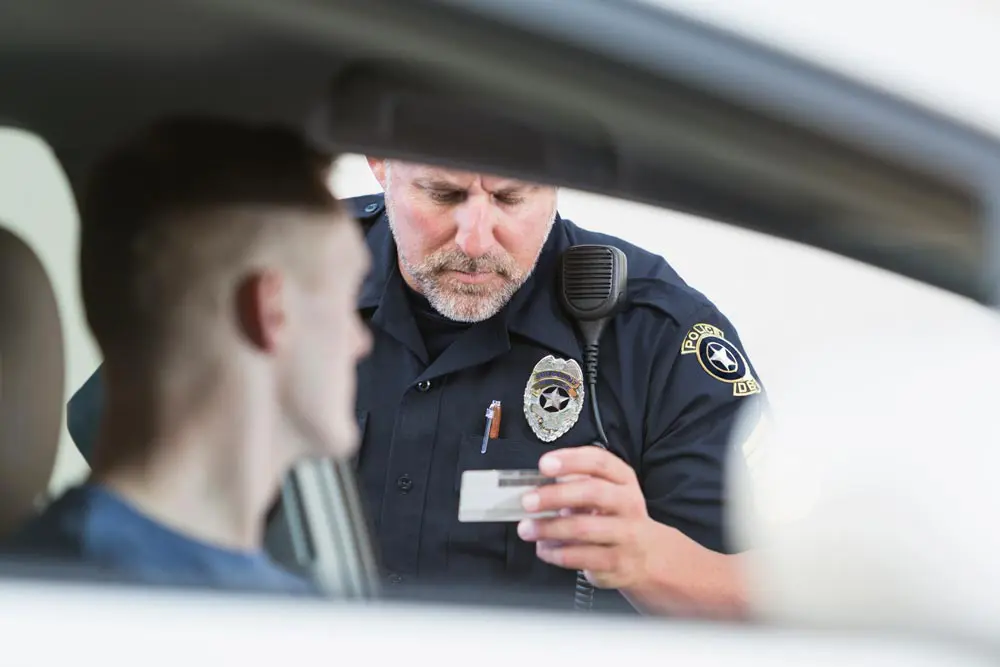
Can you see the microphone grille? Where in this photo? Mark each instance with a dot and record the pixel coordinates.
(588, 274)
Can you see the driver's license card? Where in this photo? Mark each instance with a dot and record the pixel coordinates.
(495, 495)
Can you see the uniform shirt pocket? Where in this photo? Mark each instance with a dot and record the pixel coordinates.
(492, 541)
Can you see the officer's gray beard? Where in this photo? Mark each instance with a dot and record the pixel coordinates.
(462, 302)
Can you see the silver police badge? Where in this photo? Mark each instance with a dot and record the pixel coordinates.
(553, 397)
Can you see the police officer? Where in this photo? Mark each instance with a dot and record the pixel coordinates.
(463, 305)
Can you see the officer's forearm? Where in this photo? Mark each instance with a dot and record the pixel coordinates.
(686, 579)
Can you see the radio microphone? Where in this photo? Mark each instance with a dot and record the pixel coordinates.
(592, 289)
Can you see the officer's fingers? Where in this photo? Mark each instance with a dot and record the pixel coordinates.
(576, 528)
(591, 493)
(589, 460)
(589, 557)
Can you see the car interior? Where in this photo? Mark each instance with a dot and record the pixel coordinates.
(31, 379)
(612, 97)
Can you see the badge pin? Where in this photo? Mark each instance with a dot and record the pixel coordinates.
(553, 397)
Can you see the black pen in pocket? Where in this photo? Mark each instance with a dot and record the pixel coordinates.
(492, 424)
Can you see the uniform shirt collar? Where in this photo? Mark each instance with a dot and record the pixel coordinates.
(536, 312)
(383, 251)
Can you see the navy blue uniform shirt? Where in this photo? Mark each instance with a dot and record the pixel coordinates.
(672, 378)
(92, 526)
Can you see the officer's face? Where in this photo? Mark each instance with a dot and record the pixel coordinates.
(466, 241)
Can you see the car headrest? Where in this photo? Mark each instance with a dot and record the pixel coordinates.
(32, 370)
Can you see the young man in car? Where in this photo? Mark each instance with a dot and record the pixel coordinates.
(219, 278)
(464, 307)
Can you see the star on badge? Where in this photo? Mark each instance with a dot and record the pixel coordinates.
(553, 397)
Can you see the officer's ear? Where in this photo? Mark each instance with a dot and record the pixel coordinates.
(379, 169)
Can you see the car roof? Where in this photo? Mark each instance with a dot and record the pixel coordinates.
(623, 98)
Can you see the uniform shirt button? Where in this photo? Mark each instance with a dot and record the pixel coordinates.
(404, 483)
(423, 385)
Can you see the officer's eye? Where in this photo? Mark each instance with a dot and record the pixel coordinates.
(448, 196)
(509, 198)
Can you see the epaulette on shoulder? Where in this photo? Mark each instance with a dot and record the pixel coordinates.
(366, 208)
(652, 282)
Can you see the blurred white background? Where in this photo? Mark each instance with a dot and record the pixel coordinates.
(941, 53)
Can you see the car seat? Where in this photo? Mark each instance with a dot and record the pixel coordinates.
(32, 369)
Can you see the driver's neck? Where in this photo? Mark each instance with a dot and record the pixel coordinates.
(210, 476)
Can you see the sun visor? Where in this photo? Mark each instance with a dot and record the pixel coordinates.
(381, 109)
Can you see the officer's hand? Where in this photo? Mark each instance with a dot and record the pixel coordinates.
(604, 529)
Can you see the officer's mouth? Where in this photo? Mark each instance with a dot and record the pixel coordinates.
(477, 278)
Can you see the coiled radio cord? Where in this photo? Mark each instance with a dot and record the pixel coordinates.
(583, 594)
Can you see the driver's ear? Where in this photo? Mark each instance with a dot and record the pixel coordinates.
(260, 304)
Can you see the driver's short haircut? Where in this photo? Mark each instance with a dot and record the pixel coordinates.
(164, 183)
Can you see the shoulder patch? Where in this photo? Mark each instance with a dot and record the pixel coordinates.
(721, 359)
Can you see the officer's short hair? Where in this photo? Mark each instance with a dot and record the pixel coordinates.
(166, 192)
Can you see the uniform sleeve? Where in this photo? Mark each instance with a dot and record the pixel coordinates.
(703, 388)
(83, 414)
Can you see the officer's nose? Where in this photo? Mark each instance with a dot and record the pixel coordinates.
(475, 227)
